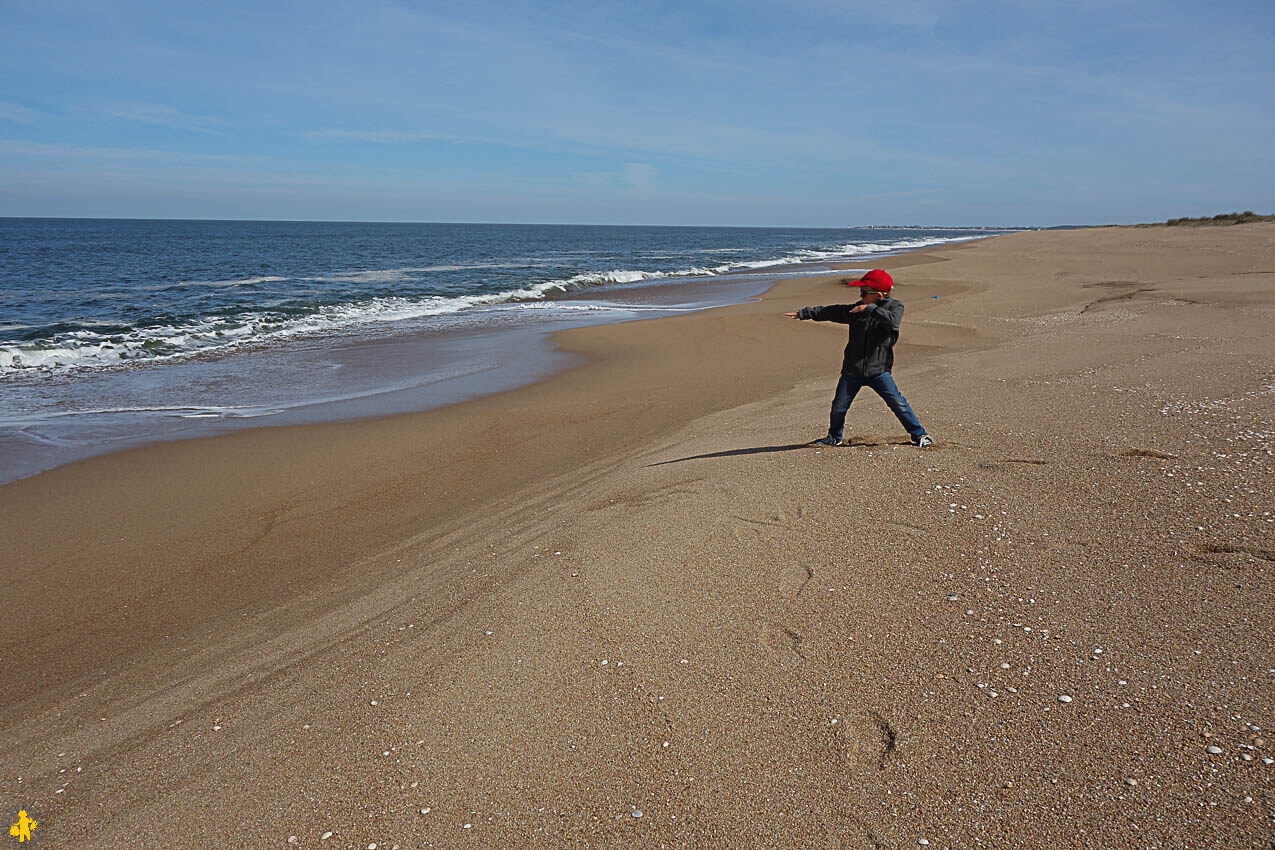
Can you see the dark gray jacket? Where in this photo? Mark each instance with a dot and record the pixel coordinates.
(873, 334)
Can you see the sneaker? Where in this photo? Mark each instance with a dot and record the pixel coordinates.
(827, 441)
(924, 440)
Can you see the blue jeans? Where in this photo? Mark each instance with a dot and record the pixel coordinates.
(848, 387)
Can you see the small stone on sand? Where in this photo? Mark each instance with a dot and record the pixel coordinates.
(1064, 698)
(1213, 751)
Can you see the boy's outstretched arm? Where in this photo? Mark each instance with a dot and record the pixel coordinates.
(834, 313)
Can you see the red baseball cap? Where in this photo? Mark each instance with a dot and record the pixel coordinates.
(875, 279)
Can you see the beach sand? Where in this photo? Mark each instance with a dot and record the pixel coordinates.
(628, 607)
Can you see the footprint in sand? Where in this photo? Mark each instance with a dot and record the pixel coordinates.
(867, 739)
(792, 580)
(749, 529)
(782, 645)
(1225, 553)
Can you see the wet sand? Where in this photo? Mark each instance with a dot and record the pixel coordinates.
(631, 588)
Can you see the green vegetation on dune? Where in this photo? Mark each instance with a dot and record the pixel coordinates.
(1222, 218)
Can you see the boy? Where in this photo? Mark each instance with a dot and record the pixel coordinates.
(869, 356)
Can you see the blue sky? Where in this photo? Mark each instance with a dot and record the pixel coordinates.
(772, 112)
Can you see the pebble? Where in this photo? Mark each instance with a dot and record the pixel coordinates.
(468, 826)
(1213, 751)
(1064, 698)
(637, 813)
(325, 836)
(425, 810)
(292, 839)
(924, 842)
(1131, 782)
(952, 597)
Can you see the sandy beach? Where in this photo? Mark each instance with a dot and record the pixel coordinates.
(628, 606)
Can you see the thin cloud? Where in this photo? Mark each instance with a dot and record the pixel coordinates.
(385, 137)
(16, 112)
(165, 116)
(15, 147)
(640, 177)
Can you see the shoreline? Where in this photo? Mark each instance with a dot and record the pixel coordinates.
(340, 378)
(362, 378)
(428, 598)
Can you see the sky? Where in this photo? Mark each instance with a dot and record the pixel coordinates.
(812, 113)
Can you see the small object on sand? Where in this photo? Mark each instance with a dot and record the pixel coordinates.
(292, 839)
(1064, 698)
(425, 810)
(952, 597)
(637, 813)
(1004, 666)
(373, 702)
(325, 836)
(1131, 782)
(468, 826)
(488, 632)
(924, 842)
(1213, 750)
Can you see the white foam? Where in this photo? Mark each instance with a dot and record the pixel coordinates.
(85, 349)
(393, 275)
(246, 281)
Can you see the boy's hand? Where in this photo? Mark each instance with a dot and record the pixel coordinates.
(859, 309)
(791, 315)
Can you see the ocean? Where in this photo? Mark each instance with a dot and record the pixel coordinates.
(120, 332)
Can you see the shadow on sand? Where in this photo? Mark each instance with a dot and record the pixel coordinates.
(757, 450)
